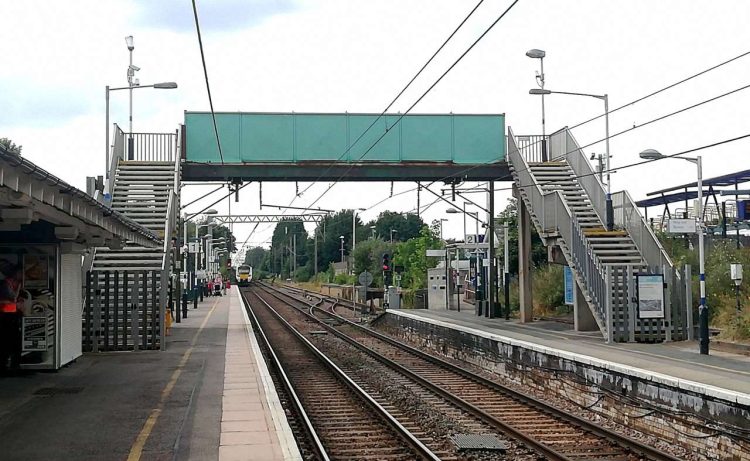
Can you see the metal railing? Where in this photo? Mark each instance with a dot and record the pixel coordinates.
(532, 147)
(594, 275)
(553, 217)
(586, 176)
(151, 147)
(627, 217)
(117, 151)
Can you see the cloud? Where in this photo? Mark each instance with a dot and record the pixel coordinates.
(214, 15)
(26, 103)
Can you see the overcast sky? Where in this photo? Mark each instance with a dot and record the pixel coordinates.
(350, 55)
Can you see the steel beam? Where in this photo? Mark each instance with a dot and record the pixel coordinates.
(266, 218)
(331, 171)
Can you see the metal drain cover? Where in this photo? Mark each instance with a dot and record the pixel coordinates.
(478, 442)
(58, 390)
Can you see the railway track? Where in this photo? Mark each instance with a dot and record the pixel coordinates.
(551, 432)
(341, 421)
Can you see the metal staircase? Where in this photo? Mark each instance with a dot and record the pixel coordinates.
(130, 283)
(566, 201)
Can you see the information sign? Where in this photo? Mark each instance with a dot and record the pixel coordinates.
(568, 284)
(194, 247)
(681, 226)
(651, 296)
(365, 279)
(34, 334)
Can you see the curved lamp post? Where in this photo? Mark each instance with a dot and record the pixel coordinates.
(652, 154)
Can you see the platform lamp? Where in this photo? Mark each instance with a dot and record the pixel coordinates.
(609, 218)
(652, 154)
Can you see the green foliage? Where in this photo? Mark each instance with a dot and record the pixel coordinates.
(281, 259)
(344, 279)
(368, 257)
(547, 288)
(254, 256)
(406, 225)
(720, 289)
(538, 250)
(412, 255)
(8, 145)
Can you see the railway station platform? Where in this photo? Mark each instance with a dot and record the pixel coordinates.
(209, 396)
(721, 373)
(668, 390)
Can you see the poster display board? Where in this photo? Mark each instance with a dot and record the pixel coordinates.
(568, 285)
(651, 296)
(28, 279)
(34, 334)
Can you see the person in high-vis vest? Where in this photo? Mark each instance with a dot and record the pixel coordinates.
(10, 316)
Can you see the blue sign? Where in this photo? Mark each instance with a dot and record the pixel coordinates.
(568, 283)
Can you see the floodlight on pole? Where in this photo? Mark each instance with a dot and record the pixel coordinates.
(653, 154)
(540, 55)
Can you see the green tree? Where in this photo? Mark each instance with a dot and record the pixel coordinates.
(368, 257)
(538, 250)
(412, 254)
(285, 234)
(8, 145)
(254, 256)
(405, 225)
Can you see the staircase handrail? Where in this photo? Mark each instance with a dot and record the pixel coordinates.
(645, 240)
(591, 270)
(628, 217)
(169, 225)
(117, 152)
(554, 216)
(565, 145)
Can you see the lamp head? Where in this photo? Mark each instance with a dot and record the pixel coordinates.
(536, 54)
(452, 211)
(166, 86)
(539, 91)
(129, 42)
(210, 210)
(651, 154)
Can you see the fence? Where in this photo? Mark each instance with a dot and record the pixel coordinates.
(533, 148)
(121, 311)
(152, 147)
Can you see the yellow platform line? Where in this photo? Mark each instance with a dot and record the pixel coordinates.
(136, 450)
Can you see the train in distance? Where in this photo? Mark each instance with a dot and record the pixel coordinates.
(244, 275)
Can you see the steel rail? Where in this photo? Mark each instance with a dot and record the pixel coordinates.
(288, 387)
(548, 452)
(414, 443)
(622, 440)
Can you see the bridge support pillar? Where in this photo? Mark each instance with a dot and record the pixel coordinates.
(583, 318)
(526, 313)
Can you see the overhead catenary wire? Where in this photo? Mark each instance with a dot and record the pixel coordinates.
(424, 94)
(205, 74)
(393, 101)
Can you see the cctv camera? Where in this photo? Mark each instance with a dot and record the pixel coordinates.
(135, 68)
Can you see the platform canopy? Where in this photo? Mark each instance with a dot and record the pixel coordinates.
(315, 146)
(29, 195)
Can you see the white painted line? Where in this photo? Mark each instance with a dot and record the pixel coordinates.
(646, 375)
(283, 431)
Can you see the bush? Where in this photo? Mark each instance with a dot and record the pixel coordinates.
(547, 288)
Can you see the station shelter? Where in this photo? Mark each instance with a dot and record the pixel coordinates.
(47, 227)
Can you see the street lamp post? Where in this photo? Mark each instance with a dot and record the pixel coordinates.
(651, 154)
(354, 228)
(133, 83)
(540, 54)
(477, 268)
(342, 247)
(609, 210)
(442, 220)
